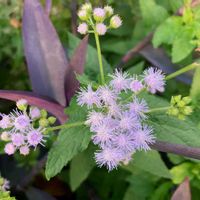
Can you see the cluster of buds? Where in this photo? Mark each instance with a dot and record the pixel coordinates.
(4, 187)
(93, 20)
(24, 128)
(119, 124)
(180, 107)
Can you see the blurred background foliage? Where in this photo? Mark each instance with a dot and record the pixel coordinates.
(176, 31)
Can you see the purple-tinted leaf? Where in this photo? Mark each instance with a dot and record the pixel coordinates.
(48, 6)
(158, 58)
(36, 100)
(47, 63)
(77, 65)
(183, 191)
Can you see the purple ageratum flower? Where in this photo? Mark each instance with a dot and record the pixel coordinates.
(155, 80)
(35, 137)
(128, 121)
(143, 137)
(9, 149)
(138, 108)
(82, 28)
(17, 139)
(94, 118)
(114, 110)
(6, 185)
(88, 97)
(101, 28)
(119, 81)
(5, 121)
(108, 157)
(136, 85)
(24, 150)
(108, 96)
(124, 142)
(99, 14)
(35, 113)
(104, 132)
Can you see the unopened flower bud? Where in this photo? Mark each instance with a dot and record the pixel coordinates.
(83, 15)
(115, 22)
(87, 7)
(109, 11)
(177, 98)
(22, 104)
(173, 111)
(52, 120)
(99, 14)
(101, 29)
(34, 112)
(43, 113)
(5, 136)
(82, 28)
(187, 110)
(43, 122)
(187, 100)
(181, 104)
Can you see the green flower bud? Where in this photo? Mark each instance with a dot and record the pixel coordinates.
(87, 7)
(173, 111)
(22, 104)
(181, 104)
(44, 113)
(187, 110)
(187, 100)
(83, 15)
(52, 120)
(177, 98)
(5, 136)
(181, 116)
(109, 11)
(43, 122)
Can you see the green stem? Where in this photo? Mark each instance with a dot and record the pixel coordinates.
(71, 125)
(158, 109)
(99, 57)
(183, 70)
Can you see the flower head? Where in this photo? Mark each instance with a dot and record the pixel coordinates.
(21, 121)
(101, 28)
(18, 139)
(94, 118)
(136, 85)
(115, 22)
(143, 137)
(99, 14)
(82, 28)
(155, 80)
(119, 81)
(87, 7)
(9, 149)
(83, 14)
(22, 104)
(88, 97)
(35, 113)
(24, 150)
(109, 11)
(5, 121)
(35, 137)
(108, 157)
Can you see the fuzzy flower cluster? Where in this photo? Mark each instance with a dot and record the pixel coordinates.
(95, 19)
(4, 187)
(117, 121)
(24, 128)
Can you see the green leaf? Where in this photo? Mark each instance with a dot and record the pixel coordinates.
(182, 45)
(195, 89)
(92, 65)
(70, 142)
(167, 31)
(151, 162)
(136, 69)
(81, 166)
(152, 13)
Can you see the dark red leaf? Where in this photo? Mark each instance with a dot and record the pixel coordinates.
(183, 191)
(77, 65)
(47, 63)
(35, 100)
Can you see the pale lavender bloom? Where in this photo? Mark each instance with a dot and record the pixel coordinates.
(128, 121)
(88, 97)
(143, 137)
(9, 149)
(21, 103)
(155, 80)
(138, 108)
(20, 120)
(114, 110)
(136, 85)
(108, 96)
(101, 28)
(94, 118)
(124, 142)
(18, 139)
(115, 22)
(6, 185)
(120, 81)
(35, 113)
(99, 14)
(35, 137)
(24, 150)
(108, 157)
(5, 122)
(104, 132)
(82, 28)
